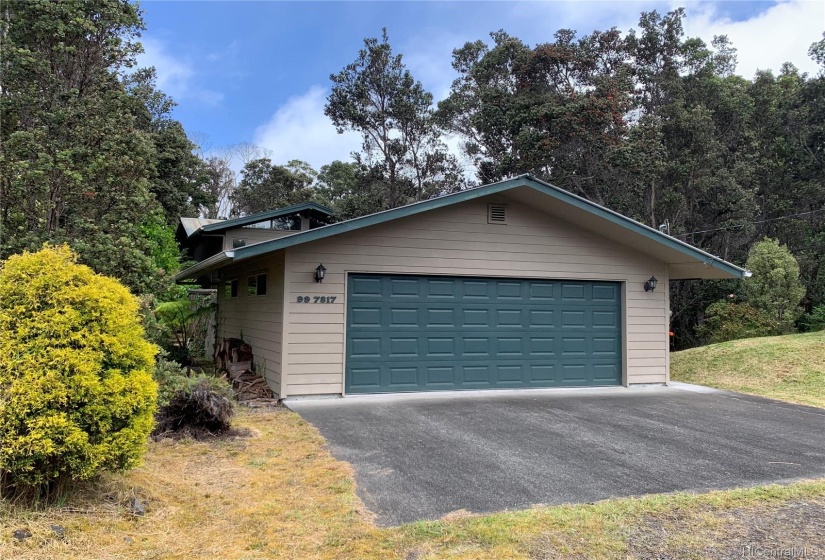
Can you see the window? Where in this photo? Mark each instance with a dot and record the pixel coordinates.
(230, 289)
(256, 285)
(283, 223)
(238, 243)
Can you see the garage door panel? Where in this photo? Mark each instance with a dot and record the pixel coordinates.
(440, 347)
(542, 291)
(476, 347)
(574, 373)
(509, 374)
(403, 347)
(441, 289)
(400, 377)
(572, 292)
(605, 372)
(475, 318)
(366, 347)
(404, 288)
(605, 293)
(573, 319)
(412, 333)
(365, 377)
(506, 290)
(508, 318)
(509, 347)
(541, 318)
(441, 375)
(365, 286)
(475, 374)
(401, 317)
(365, 316)
(543, 374)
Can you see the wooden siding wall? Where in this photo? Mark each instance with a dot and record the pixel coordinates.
(457, 240)
(258, 318)
(252, 235)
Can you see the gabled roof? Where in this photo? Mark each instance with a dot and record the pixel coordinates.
(686, 260)
(270, 214)
(191, 225)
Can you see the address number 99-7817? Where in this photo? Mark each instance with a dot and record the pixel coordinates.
(316, 299)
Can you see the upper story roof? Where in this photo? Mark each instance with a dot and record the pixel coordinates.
(191, 226)
(685, 261)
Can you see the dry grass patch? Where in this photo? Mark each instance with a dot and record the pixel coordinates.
(789, 368)
(280, 494)
(277, 495)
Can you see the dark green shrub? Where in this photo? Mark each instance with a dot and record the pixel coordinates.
(731, 321)
(774, 288)
(813, 321)
(170, 376)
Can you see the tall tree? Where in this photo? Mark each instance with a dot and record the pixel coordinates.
(265, 186)
(220, 185)
(352, 189)
(377, 97)
(89, 154)
(558, 111)
(75, 164)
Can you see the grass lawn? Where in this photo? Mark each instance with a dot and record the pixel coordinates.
(280, 494)
(789, 368)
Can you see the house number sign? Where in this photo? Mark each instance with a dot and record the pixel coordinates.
(316, 299)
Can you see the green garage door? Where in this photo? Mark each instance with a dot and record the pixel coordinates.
(434, 333)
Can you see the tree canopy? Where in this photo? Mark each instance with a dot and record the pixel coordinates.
(650, 122)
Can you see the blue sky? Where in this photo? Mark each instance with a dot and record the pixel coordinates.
(259, 71)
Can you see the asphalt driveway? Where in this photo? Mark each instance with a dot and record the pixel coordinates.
(421, 457)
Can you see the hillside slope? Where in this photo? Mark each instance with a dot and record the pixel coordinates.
(790, 368)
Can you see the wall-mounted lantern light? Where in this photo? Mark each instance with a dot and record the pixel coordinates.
(320, 272)
(650, 285)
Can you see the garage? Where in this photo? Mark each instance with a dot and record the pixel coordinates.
(437, 333)
(515, 284)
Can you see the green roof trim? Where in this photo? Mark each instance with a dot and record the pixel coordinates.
(478, 192)
(463, 196)
(268, 215)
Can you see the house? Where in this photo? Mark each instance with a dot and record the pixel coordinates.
(515, 284)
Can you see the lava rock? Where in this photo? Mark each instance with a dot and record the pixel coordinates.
(58, 530)
(22, 534)
(136, 507)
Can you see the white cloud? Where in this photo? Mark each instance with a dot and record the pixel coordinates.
(781, 33)
(429, 59)
(176, 76)
(300, 130)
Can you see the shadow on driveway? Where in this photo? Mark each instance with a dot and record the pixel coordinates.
(421, 457)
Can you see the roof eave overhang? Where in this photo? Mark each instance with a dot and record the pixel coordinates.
(206, 266)
(700, 263)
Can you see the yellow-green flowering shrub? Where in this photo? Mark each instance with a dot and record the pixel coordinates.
(76, 390)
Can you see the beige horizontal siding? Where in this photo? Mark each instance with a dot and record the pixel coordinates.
(458, 241)
(257, 319)
(252, 236)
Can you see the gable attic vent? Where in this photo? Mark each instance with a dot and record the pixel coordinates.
(496, 213)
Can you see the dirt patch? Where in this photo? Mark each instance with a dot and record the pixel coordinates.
(794, 529)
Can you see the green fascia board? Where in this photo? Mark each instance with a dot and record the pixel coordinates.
(478, 192)
(637, 227)
(268, 215)
(207, 265)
